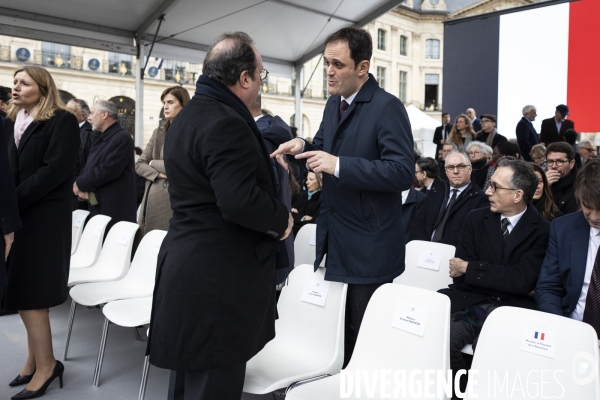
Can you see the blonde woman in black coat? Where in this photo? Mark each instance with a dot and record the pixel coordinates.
(42, 155)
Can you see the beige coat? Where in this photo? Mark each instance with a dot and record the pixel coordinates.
(155, 211)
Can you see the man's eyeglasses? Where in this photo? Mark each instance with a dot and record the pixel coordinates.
(493, 187)
(538, 158)
(460, 167)
(263, 74)
(591, 150)
(418, 172)
(559, 163)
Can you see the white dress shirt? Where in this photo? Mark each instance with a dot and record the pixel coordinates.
(558, 125)
(589, 266)
(81, 124)
(405, 195)
(512, 221)
(258, 117)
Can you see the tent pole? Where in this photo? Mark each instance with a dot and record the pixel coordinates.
(139, 96)
(298, 93)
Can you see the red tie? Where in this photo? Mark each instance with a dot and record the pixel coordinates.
(591, 312)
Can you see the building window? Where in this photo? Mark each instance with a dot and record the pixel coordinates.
(403, 45)
(432, 49)
(432, 82)
(381, 77)
(403, 84)
(121, 64)
(56, 55)
(381, 39)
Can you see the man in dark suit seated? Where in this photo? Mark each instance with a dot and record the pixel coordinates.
(427, 173)
(441, 132)
(527, 136)
(569, 282)
(441, 217)
(499, 257)
(561, 173)
(476, 122)
(488, 133)
(553, 129)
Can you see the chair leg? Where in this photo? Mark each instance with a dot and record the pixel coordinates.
(138, 338)
(303, 381)
(144, 378)
(98, 369)
(69, 328)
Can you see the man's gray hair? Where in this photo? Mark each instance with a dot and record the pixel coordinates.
(462, 153)
(83, 106)
(528, 108)
(225, 63)
(523, 177)
(586, 141)
(485, 149)
(109, 107)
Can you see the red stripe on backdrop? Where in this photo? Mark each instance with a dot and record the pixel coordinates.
(584, 65)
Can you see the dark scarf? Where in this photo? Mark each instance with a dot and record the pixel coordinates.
(566, 183)
(213, 89)
(480, 172)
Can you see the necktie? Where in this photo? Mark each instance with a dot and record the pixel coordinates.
(343, 107)
(591, 312)
(505, 223)
(439, 230)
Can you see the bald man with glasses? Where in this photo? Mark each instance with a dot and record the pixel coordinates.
(443, 212)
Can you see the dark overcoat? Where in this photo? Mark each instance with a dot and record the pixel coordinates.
(549, 133)
(43, 166)
(214, 298)
(360, 220)
(527, 137)
(429, 215)
(109, 173)
(507, 271)
(9, 208)
(411, 206)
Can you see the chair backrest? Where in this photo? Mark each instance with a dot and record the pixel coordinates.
(382, 346)
(115, 256)
(90, 243)
(419, 255)
(564, 363)
(304, 251)
(79, 217)
(317, 331)
(142, 271)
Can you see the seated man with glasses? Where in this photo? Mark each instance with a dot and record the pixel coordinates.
(442, 214)
(561, 173)
(488, 133)
(586, 151)
(499, 257)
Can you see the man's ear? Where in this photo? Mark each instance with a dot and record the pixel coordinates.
(363, 67)
(245, 79)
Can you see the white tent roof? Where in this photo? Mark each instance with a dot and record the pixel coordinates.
(420, 120)
(287, 32)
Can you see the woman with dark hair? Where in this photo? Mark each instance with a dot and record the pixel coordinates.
(42, 154)
(156, 207)
(305, 208)
(542, 198)
(462, 132)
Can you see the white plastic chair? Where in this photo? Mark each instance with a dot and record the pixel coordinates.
(309, 341)
(305, 247)
(128, 313)
(425, 278)
(571, 373)
(89, 247)
(114, 259)
(382, 347)
(139, 281)
(79, 217)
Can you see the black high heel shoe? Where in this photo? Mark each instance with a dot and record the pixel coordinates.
(58, 370)
(21, 380)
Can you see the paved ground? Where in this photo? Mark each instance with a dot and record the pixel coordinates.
(123, 360)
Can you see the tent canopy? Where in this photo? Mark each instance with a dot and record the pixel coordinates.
(286, 32)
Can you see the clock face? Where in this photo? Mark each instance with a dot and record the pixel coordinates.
(434, 2)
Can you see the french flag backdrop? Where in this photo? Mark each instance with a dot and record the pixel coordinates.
(544, 55)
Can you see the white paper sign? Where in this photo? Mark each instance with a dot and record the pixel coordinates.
(315, 291)
(156, 248)
(430, 260)
(538, 341)
(123, 237)
(313, 239)
(78, 221)
(98, 230)
(410, 317)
